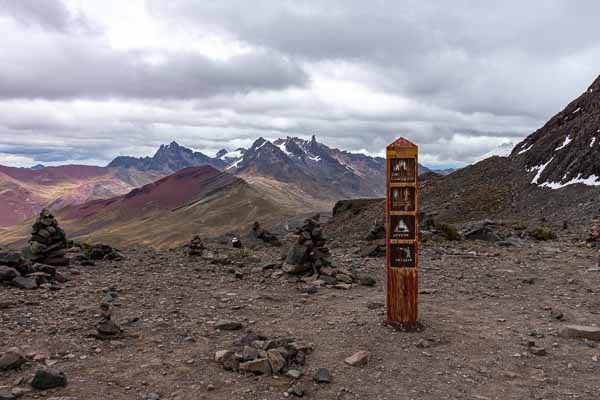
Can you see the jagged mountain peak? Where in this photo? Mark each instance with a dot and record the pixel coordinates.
(566, 150)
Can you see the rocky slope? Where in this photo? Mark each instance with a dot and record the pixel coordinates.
(24, 192)
(195, 200)
(566, 150)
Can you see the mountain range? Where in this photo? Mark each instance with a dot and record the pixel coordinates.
(163, 199)
(297, 173)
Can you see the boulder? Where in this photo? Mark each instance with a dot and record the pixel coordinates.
(580, 331)
(11, 359)
(25, 282)
(47, 378)
(276, 360)
(8, 273)
(10, 259)
(261, 366)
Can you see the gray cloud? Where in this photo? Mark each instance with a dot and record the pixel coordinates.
(459, 78)
(73, 68)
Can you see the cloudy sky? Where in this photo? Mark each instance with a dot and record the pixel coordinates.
(82, 81)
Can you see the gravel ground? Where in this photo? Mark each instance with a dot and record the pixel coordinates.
(481, 305)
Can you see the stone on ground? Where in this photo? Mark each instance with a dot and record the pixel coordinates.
(581, 331)
(47, 378)
(11, 359)
(358, 359)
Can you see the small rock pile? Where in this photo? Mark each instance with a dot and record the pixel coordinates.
(263, 356)
(21, 273)
(106, 328)
(48, 243)
(196, 247)
(309, 253)
(262, 234)
(99, 252)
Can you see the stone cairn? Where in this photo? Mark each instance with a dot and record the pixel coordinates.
(106, 328)
(262, 234)
(196, 247)
(309, 253)
(48, 243)
(263, 356)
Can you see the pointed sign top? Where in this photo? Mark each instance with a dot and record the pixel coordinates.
(402, 142)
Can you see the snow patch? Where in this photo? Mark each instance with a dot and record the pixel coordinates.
(232, 154)
(568, 140)
(525, 150)
(576, 111)
(540, 169)
(591, 180)
(593, 142)
(315, 159)
(235, 164)
(284, 149)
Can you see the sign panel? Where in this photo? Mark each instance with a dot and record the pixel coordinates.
(403, 198)
(403, 227)
(403, 255)
(403, 170)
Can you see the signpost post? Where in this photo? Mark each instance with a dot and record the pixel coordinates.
(402, 234)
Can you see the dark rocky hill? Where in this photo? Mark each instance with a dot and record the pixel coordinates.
(566, 150)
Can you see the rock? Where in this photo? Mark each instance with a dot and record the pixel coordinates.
(250, 353)
(423, 344)
(484, 233)
(358, 359)
(236, 243)
(366, 280)
(295, 268)
(230, 362)
(221, 355)
(10, 259)
(11, 359)
(108, 327)
(556, 314)
(344, 278)
(276, 360)
(23, 282)
(228, 325)
(294, 373)
(298, 255)
(372, 250)
(538, 351)
(4, 395)
(47, 378)
(261, 366)
(323, 375)
(295, 391)
(8, 273)
(580, 331)
(377, 232)
(152, 396)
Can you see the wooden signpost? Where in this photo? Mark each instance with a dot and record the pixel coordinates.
(402, 234)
